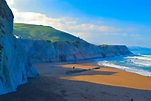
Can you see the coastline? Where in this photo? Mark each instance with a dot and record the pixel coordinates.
(109, 76)
(91, 84)
(138, 64)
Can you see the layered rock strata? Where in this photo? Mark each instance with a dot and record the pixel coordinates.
(15, 67)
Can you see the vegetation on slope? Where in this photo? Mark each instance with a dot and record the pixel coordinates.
(39, 32)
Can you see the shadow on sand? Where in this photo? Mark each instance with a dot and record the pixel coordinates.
(53, 88)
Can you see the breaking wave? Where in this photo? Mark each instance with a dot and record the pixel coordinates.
(126, 68)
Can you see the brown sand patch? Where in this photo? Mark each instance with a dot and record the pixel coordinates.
(95, 84)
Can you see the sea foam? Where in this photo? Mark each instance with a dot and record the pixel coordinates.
(128, 69)
(140, 60)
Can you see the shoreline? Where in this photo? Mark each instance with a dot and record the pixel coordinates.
(124, 64)
(129, 76)
(126, 71)
(83, 68)
(104, 83)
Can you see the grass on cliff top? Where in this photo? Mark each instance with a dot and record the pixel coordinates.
(39, 32)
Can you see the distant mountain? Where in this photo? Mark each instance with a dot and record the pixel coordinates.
(39, 32)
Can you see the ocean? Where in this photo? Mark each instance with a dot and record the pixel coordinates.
(139, 63)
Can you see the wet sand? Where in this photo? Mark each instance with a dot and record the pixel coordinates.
(82, 82)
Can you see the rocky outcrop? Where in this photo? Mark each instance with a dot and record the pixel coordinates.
(15, 66)
(46, 51)
(114, 50)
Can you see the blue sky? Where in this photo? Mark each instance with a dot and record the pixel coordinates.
(97, 21)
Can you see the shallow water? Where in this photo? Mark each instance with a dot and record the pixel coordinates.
(139, 63)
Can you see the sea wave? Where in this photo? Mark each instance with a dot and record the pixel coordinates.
(128, 69)
(142, 63)
(143, 60)
(143, 57)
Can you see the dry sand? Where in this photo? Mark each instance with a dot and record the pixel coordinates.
(57, 82)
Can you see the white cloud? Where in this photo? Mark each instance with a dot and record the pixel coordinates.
(71, 25)
(10, 2)
(90, 31)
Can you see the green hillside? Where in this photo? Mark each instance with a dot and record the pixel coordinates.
(39, 32)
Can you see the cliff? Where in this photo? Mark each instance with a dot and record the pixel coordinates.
(60, 46)
(47, 51)
(15, 67)
(114, 50)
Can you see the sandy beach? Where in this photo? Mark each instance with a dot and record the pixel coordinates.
(83, 81)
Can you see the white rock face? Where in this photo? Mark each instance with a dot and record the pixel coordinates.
(45, 51)
(15, 66)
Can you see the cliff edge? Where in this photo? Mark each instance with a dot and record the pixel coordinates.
(15, 67)
(47, 51)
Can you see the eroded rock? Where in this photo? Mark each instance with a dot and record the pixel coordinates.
(15, 67)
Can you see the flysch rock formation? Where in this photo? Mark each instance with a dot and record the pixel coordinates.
(114, 50)
(15, 67)
(46, 51)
